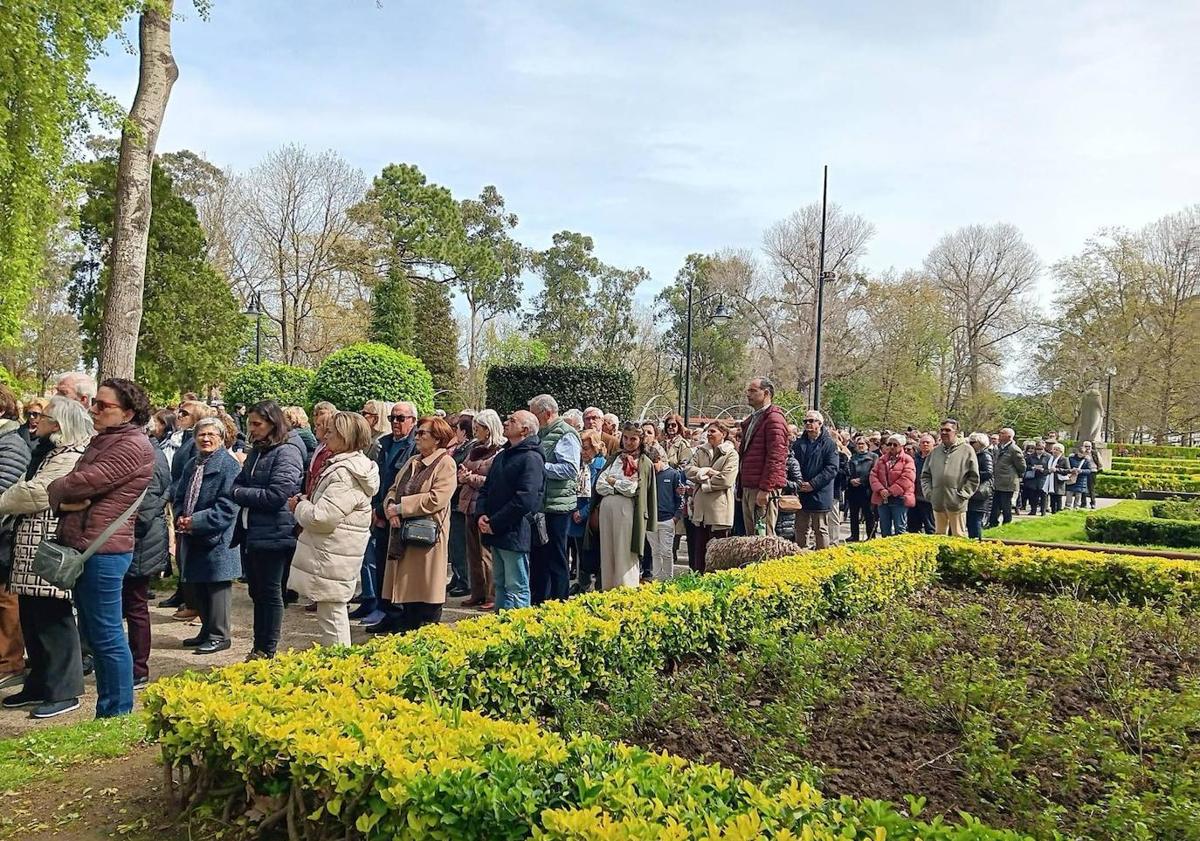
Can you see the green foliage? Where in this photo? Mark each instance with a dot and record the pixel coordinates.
(392, 312)
(435, 335)
(613, 327)
(1031, 416)
(1160, 466)
(45, 754)
(1116, 487)
(358, 373)
(7, 378)
(192, 326)
(1116, 483)
(1152, 525)
(287, 385)
(516, 349)
(44, 97)
(561, 313)
(420, 222)
(510, 387)
(1154, 451)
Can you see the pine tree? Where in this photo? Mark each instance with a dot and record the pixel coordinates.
(392, 311)
(435, 334)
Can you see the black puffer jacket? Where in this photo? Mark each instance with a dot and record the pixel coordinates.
(150, 543)
(981, 500)
(185, 453)
(268, 479)
(14, 458)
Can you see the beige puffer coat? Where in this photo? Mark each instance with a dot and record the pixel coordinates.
(714, 476)
(336, 524)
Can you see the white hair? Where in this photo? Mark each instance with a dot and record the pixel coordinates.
(528, 422)
(979, 438)
(574, 417)
(897, 439)
(611, 418)
(543, 404)
(74, 423)
(490, 420)
(1057, 448)
(81, 384)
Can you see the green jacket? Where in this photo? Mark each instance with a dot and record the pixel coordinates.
(1009, 467)
(560, 496)
(949, 479)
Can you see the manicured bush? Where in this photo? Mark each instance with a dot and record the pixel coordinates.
(510, 387)
(1157, 466)
(287, 385)
(1146, 526)
(1116, 486)
(1153, 451)
(358, 373)
(1176, 509)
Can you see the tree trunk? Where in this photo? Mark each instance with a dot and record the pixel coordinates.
(157, 72)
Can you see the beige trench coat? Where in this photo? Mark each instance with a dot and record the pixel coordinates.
(419, 575)
(713, 497)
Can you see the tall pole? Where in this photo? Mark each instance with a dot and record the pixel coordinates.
(816, 399)
(257, 329)
(687, 376)
(1108, 412)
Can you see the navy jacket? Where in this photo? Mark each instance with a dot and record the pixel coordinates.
(268, 479)
(393, 455)
(669, 480)
(206, 554)
(185, 453)
(150, 542)
(511, 492)
(819, 465)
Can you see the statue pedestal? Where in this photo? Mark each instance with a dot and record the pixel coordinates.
(1104, 456)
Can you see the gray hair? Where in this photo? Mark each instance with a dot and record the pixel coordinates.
(81, 384)
(490, 420)
(611, 418)
(74, 423)
(979, 438)
(765, 384)
(543, 404)
(897, 439)
(574, 417)
(215, 422)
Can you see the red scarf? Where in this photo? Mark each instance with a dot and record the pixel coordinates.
(629, 465)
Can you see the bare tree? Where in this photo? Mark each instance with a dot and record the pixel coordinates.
(298, 232)
(792, 247)
(983, 272)
(157, 73)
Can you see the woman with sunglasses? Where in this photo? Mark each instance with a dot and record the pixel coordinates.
(266, 530)
(34, 407)
(55, 679)
(110, 477)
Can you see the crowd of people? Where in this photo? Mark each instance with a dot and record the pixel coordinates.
(380, 514)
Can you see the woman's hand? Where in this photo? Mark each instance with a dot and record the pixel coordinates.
(75, 506)
(392, 511)
(394, 521)
(293, 502)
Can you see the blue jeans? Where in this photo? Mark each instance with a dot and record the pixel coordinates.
(370, 574)
(893, 518)
(975, 525)
(510, 571)
(98, 599)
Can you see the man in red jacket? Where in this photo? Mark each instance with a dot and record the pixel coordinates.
(763, 457)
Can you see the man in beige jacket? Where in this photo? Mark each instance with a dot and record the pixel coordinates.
(948, 479)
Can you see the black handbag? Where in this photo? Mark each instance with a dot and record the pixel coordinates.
(419, 531)
(537, 527)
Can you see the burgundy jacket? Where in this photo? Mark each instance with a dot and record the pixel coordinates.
(114, 469)
(899, 477)
(764, 455)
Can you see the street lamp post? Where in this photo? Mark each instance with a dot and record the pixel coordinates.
(1108, 430)
(719, 316)
(822, 277)
(255, 309)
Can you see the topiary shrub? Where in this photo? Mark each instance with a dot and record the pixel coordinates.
(1116, 486)
(510, 387)
(367, 371)
(287, 385)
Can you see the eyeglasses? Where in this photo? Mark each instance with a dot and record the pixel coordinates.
(401, 418)
(812, 420)
(370, 414)
(97, 403)
(421, 433)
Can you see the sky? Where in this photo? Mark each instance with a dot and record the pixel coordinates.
(664, 128)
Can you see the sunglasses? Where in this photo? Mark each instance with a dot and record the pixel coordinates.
(97, 403)
(401, 418)
(33, 415)
(812, 420)
(421, 433)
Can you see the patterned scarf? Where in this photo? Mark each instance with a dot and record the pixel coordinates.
(193, 491)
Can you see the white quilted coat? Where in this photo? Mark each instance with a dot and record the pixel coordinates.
(336, 525)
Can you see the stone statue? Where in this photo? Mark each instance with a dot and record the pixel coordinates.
(1091, 417)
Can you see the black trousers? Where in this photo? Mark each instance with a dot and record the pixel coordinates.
(1055, 503)
(549, 571)
(415, 614)
(1037, 500)
(213, 600)
(266, 572)
(920, 518)
(52, 648)
(1002, 506)
(860, 510)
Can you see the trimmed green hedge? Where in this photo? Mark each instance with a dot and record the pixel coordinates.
(1153, 451)
(368, 371)
(1116, 486)
(1156, 466)
(510, 387)
(1120, 527)
(287, 385)
(1176, 509)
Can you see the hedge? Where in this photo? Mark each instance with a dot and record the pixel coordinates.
(285, 384)
(1144, 524)
(1176, 509)
(1116, 486)
(402, 737)
(510, 387)
(1153, 451)
(1156, 466)
(350, 377)
(1119, 484)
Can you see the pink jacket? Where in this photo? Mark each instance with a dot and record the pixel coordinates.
(898, 475)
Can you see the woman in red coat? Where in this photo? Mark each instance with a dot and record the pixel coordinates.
(893, 486)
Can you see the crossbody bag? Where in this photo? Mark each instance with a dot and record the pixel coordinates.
(61, 565)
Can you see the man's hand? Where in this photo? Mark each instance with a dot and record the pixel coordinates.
(575, 517)
(854, 483)
(183, 524)
(75, 506)
(806, 487)
(760, 499)
(485, 526)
